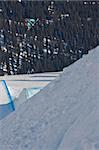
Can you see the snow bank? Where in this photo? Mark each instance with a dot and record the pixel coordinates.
(21, 88)
(25, 95)
(63, 116)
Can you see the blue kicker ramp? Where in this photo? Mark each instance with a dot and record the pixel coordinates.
(5, 109)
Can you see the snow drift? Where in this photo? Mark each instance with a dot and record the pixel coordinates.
(63, 116)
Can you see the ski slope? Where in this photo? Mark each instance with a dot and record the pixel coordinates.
(17, 83)
(63, 116)
(21, 88)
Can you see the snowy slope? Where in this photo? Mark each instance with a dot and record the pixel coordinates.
(21, 88)
(63, 116)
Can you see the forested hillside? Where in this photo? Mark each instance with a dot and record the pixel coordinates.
(61, 33)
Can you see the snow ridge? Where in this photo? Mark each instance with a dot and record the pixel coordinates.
(63, 116)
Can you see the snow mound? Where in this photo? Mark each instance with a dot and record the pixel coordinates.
(63, 116)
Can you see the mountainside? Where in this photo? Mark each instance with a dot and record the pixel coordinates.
(39, 36)
(64, 115)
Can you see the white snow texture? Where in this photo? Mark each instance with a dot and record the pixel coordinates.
(63, 116)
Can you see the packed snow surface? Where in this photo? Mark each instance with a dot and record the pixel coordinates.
(63, 116)
(21, 88)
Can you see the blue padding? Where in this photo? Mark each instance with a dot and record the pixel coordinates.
(11, 101)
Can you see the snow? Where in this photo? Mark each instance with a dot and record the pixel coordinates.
(21, 88)
(20, 1)
(3, 95)
(63, 116)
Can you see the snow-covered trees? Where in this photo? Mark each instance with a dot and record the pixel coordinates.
(63, 33)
